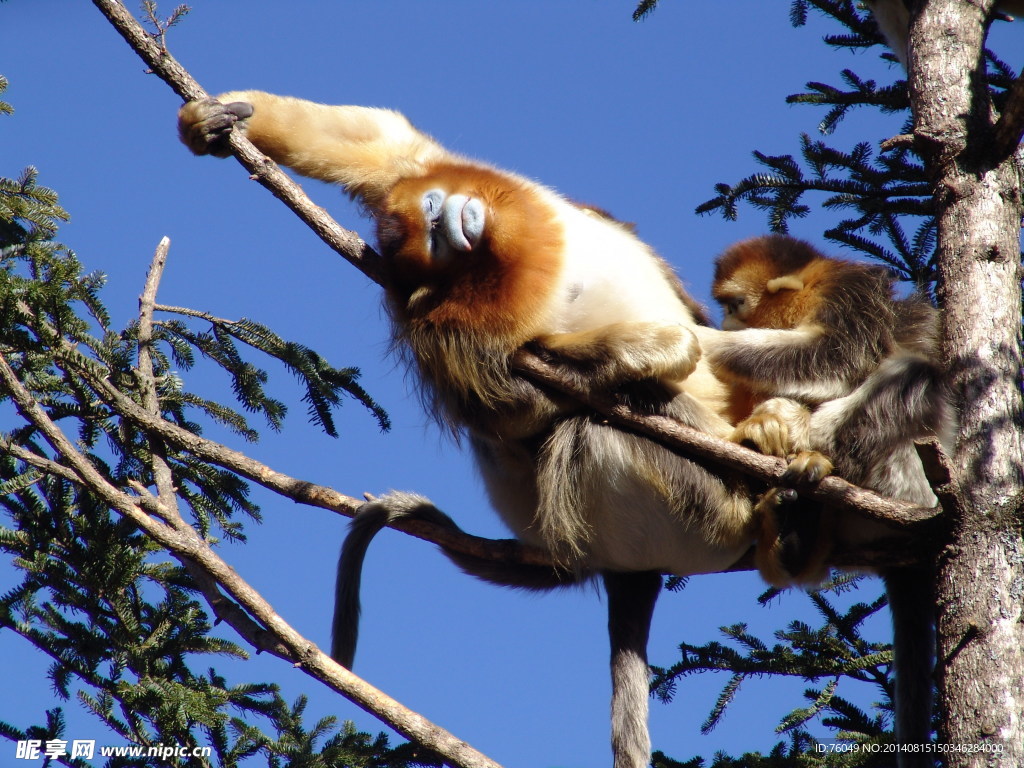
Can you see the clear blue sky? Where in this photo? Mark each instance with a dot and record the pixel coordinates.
(641, 119)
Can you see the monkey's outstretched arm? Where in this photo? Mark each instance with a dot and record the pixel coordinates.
(375, 515)
(806, 363)
(364, 149)
(613, 354)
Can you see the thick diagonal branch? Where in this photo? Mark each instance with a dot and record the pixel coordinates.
(709, 450)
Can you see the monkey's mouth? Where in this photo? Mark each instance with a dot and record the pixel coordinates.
(732, 323)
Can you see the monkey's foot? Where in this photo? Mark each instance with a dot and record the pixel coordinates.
(793, 542)
(807, 468)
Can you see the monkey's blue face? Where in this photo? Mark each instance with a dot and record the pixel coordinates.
(455, 223)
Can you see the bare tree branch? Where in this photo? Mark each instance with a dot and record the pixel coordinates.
(224, 608)
(234, 615)
(150, 397)
(41, 463)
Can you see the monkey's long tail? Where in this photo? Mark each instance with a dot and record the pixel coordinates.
(396, 505)
(912, 604)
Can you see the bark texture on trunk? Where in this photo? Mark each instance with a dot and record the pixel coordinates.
(980, 589)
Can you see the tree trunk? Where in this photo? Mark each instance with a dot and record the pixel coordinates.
(978, 208)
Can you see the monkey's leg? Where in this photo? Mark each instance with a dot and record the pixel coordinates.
(912, 604)
(906, 398)
(631, 598)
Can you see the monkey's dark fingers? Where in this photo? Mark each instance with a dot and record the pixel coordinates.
(776, 500)
(205, 125)
(807, 468)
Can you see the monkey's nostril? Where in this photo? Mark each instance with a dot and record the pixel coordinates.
(431, 204)
(473, 220)
(462, 221)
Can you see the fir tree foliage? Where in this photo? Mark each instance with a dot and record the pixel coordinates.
(886, 193)
(833, 651)
(161, 26)
(119, 621)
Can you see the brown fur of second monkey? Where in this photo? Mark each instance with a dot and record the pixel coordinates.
(479, 263)
(827, 361)
(836, 369)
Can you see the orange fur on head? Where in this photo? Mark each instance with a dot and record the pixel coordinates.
(503, 285)
(778, 276)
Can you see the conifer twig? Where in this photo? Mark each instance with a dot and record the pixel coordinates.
(43, 464)
(300, 491)
(162, 475)
(224, 608)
